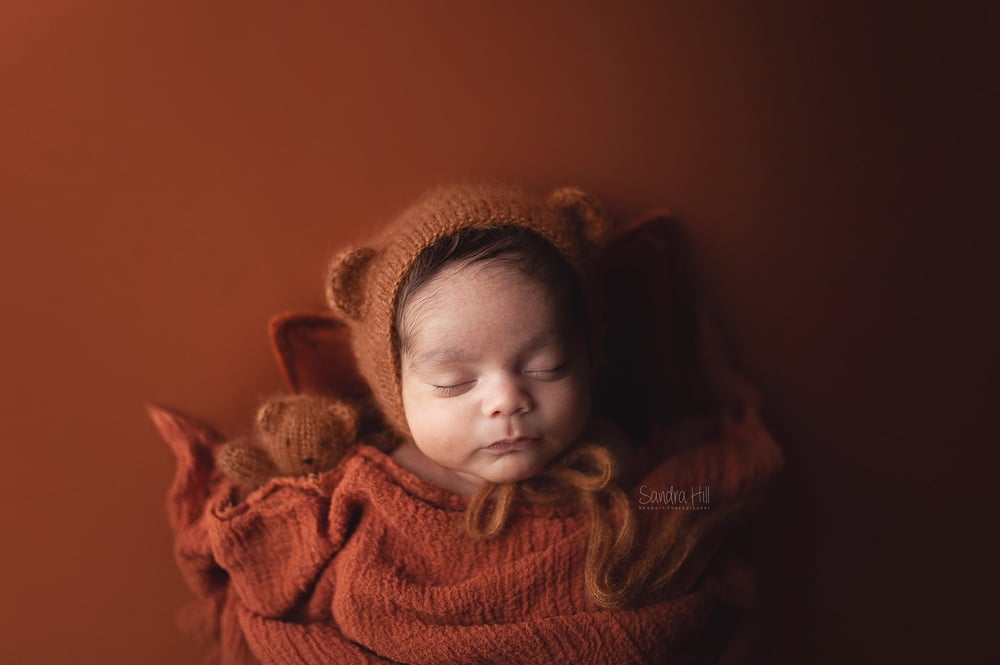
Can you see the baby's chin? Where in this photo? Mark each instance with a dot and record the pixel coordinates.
(515, 466)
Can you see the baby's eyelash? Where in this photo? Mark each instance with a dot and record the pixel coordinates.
(449, 390)
(549, 373)
(543, 374)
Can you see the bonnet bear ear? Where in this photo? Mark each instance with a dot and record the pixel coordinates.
(583, 211)
(345, 284)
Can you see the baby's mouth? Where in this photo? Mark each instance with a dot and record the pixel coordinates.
(517, 443)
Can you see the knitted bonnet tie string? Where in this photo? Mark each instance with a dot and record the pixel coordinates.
(585, 474)
(486, 515)
(587, 470)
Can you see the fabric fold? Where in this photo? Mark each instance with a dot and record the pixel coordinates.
(329, 567)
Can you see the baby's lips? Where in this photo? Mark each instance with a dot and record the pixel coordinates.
(514, 443)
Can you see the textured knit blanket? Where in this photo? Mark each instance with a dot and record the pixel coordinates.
(368, 563)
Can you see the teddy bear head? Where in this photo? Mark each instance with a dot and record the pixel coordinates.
(305, 433)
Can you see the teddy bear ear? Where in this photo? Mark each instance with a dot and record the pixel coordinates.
(583, 211)
(347, 418)
(269, 414)
(345, 284)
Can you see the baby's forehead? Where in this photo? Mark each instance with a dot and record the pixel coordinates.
(495, 276)
(471, 310)
(476, 284)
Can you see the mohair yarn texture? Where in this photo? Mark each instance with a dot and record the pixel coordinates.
(364, 281)
(294, 435)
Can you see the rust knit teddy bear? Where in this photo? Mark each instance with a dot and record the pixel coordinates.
(295, 435)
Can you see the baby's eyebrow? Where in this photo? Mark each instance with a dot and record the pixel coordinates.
(455, 355)
(443, 356)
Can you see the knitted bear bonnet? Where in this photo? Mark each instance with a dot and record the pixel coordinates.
(364, 282)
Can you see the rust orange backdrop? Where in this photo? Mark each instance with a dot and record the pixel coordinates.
(174, 172)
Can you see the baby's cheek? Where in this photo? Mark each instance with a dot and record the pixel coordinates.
(427, 420)
(574, 411)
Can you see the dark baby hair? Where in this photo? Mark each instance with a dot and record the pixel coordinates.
(520, 249)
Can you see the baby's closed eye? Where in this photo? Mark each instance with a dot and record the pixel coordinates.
(450, 388)
(548, 373)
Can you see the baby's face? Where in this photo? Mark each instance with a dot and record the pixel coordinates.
(495, 381)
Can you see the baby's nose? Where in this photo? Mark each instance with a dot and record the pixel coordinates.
(507, 396)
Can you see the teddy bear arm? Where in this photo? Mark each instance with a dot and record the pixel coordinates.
(245, 464)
